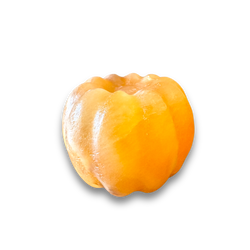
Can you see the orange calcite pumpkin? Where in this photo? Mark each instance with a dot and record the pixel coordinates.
(129, 133)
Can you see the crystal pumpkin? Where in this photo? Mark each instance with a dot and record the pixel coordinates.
(129, 133)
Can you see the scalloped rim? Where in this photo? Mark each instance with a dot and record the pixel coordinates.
(131, 71)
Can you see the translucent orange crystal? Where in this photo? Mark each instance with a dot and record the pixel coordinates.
(129, 133)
